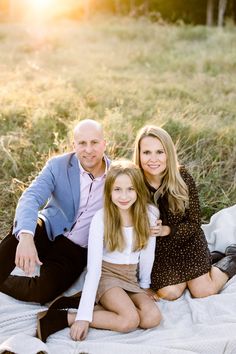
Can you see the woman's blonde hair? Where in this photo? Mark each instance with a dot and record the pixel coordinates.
(172, 182)
(113, 234)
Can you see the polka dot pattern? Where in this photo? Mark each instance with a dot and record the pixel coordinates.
(183, 255)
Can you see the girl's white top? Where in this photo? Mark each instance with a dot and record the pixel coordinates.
(97, 253)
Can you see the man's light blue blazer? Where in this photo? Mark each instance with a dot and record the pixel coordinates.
(57, 191)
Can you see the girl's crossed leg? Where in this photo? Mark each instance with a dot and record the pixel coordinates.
(149, 313)
(124, 312)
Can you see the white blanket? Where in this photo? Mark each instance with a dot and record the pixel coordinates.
(221, 231)
(203, 326)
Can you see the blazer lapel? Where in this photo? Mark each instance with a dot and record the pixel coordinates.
(74, 178)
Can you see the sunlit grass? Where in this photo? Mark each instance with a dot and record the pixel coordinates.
(126, 73)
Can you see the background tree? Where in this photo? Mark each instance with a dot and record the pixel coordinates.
(210, 13)
(221, 12)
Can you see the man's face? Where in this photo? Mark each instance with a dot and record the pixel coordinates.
(89, 146)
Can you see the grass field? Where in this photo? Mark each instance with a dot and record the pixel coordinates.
(125, 73)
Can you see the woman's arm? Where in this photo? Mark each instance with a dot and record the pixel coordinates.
(191, 222)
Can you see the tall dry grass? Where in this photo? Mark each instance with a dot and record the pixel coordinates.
(125, 73)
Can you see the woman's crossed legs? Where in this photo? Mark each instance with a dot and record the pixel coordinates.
(205, 285)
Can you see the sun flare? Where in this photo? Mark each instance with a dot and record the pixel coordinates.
(43, 10)
(42, 5)
(39, 9)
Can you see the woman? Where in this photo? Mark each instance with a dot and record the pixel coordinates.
(182, 258)
(119, 244)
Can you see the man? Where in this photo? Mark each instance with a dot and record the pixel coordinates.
(70, 190)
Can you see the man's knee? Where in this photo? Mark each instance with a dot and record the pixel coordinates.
(7, 256)
(28, 289)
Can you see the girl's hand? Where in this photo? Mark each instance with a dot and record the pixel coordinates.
(152, 294)
(79, 330)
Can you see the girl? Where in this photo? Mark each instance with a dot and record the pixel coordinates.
(118, 241)
(182, 258)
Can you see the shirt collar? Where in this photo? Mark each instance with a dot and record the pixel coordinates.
(83, 172)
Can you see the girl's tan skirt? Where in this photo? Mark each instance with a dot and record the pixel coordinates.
(118, 275)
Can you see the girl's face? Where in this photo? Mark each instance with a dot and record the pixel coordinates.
(152, 156)
(123, 194)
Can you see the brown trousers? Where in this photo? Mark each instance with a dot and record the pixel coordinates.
(63, 262)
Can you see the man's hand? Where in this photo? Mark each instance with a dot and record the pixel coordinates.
(26, 254)
(79, 330)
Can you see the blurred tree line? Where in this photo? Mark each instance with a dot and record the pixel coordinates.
(210, 12)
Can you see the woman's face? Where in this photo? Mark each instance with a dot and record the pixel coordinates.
(152, 156)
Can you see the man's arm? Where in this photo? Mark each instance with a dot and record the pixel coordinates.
(35, 196)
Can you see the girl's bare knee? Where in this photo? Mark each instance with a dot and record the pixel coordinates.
(151, 318)
(129, 322)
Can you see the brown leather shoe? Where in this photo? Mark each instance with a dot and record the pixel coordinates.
(230, 250)
(66, 302)
(49, 322)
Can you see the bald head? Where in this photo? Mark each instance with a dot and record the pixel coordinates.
(88, 125)
(90, 145)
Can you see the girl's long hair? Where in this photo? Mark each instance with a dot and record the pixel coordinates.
(113, 234)
(172, 182)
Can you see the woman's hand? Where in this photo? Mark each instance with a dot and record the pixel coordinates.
(152, 294)
(79, 330)
(165, 230)
(159, 229)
